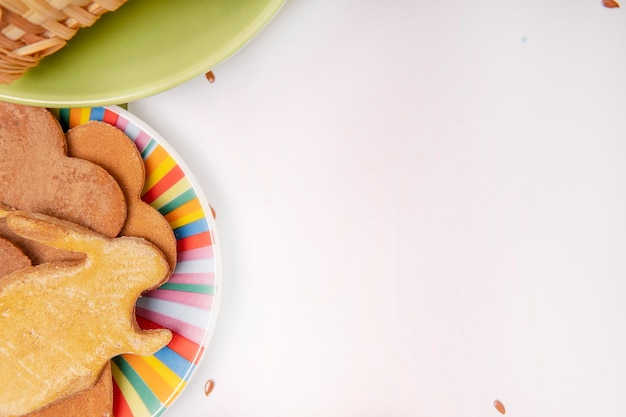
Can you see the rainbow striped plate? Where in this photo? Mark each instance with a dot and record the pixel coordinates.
(187, 303)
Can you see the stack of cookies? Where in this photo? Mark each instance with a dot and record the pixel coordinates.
(78, 247)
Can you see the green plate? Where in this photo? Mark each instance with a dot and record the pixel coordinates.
(143, 48)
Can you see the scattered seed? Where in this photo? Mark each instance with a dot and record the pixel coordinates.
(499, 406)
(208, 387)
(210, 76)
(611, 4)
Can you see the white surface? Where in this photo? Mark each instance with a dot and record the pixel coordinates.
(421, 207)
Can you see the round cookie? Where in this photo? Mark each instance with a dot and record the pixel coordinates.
(110, 148)
(37, 175)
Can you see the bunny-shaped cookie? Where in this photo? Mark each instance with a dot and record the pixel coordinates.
(60, 322)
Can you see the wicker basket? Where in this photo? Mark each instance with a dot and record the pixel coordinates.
(33, 29)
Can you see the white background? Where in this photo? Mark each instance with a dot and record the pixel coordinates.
(421, 209)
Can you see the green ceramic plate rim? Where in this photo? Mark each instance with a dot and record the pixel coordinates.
(184, 74)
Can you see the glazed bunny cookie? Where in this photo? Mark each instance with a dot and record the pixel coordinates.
(37, 175)
(62, 321)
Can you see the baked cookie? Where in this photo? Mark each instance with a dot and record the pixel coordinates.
(63, 321)
(12, 258)
(37, 175)
(110, 148)
(95, 402)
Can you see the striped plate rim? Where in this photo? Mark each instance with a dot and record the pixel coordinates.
(146, 386)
